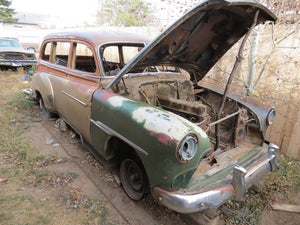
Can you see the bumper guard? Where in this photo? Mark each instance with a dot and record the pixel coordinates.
(242, 179)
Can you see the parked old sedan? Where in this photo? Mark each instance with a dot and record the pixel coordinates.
(132, 105)
(13, 55)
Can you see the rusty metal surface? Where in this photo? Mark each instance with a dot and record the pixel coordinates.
(260, 109)
(96, 38)
(153, 114)
(197, 40)
(230, 185)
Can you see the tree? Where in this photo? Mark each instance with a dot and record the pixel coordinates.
(6, 13)
(123, 13)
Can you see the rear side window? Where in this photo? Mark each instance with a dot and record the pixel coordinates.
(84, 59)
(46, 52)
(62, 50)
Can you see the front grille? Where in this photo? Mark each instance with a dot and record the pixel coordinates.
(30, 56)
(14, 56)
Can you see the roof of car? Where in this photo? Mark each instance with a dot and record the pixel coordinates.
(98, 37)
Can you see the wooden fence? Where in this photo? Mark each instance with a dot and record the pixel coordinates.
(279, 85)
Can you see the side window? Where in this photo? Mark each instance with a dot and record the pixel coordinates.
(116, 56)
(111, 60)
(46, 52)
(129, 52)
(84, 59)
(62, 53)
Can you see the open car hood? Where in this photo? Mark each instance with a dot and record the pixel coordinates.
(197, 40)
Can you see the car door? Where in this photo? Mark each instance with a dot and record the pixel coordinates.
(74, 84)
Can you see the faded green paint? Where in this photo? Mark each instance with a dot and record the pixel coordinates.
(183, 179)
(161, 164)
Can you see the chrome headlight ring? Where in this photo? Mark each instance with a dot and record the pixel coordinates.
(271, 116)
(187, 148)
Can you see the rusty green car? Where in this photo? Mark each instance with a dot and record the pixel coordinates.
(137, 104)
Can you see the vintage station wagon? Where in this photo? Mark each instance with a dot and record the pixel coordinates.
(137, 104)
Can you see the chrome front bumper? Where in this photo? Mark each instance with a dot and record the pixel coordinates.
(18, 63)
(242, 179)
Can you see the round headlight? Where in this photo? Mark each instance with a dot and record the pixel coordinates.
(187, 148)
(271, 116)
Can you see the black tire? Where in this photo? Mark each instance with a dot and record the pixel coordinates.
(45, 111)
(133, 178)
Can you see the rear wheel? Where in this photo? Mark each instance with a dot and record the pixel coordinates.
(133, 178)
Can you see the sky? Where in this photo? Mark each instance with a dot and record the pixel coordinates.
(76, 13)
(68, 11)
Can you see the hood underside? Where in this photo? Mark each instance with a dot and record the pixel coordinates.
(197, 40)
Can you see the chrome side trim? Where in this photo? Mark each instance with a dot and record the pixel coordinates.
(111, 132)
(81, 102)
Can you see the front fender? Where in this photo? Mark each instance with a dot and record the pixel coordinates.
(154, 133)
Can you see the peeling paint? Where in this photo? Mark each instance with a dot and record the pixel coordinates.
(105, 95)
(117, 101)
(163, 138)
(159, 122)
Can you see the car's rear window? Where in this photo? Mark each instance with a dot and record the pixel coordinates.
(62, 53)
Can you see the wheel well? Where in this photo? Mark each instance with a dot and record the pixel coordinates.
(118, 149)
(38, 95)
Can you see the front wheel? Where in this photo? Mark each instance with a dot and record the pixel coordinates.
(133, 179)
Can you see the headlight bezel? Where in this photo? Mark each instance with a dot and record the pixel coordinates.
(270, 117)
(187, 148)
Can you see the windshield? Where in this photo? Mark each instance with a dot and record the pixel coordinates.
(5, 43)
(116, 55)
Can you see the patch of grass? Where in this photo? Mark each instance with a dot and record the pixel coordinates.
(19, 102)
(26, 170)
(287, 178)
(94, 208)
(282, 185)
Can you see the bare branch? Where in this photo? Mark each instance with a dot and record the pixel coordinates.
(269, 57)
(222, 70)
(239, 79)
(237, 63)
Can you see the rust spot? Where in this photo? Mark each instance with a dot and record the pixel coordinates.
(163, 138)
(105, 95)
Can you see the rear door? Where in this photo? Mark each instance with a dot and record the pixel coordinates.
(76, 78)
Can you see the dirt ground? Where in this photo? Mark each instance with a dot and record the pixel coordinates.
(85, 176)
(93, 179)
